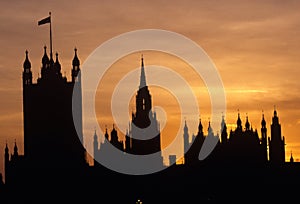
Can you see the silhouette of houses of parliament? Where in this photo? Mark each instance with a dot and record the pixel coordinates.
(50, 138)
(54, 154)
(143, 136)
(242, 146)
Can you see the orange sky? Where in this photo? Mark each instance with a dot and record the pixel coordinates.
(254, 44)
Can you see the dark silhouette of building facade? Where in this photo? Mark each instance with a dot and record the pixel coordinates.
(192, 149)
(276, 142)
(50, 138)
(54, 154)
(143, 135)
(101, 148)
(242, 146)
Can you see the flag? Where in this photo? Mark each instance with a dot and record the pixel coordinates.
(45, 20)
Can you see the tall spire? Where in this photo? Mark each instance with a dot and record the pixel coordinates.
(143, 77)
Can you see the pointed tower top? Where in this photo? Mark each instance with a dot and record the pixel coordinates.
(56, 61)
(57, 64)
(209, 125)
(143, 77)
(106, 133)
(185, 128)
(200, 127)
(15, 148)
(247, 124)
(75, 61)
(223, 123)
(239, 122)
(263, 121)
(95, 135)
(6, 147)
(291, 158)
(275, 112)
(45, 59)
(27, 64)
(223, 119)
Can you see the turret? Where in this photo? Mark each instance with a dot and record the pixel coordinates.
(114, 135)
(291, 158)
(224, 134)
(27, 74)
(200, 128)
(6, 163)
(76, 67)
(106, 134)
(239, 122)
(45, 58)
(247, 124)
(15, 150)
(276, 142)
(6, 154)
(57, 65)
(96, 143)
(264, 141)
(186, 142)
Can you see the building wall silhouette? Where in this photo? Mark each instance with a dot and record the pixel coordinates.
(143, 135)
(50, 137)
(52, 146)
(276, 142)
(242, 146)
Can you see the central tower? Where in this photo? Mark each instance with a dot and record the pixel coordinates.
(143, 102)
(144, 134)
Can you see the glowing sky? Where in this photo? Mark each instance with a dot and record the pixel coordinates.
(254, 44)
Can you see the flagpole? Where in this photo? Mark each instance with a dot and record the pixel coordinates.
(50, 37)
